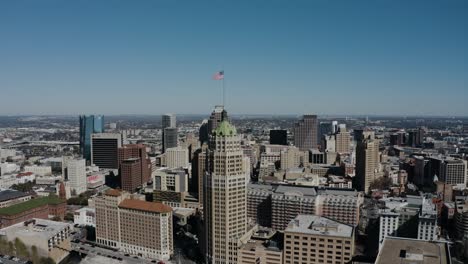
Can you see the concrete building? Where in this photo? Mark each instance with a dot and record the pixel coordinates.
(367, 162)
(343, 140)
(216, 118)
(39, 170)
(427, 221)
(453, 171)
(406, 250)
(104, 150)
(305, 133)
(199, 166)
(74, 171)
(261, 248)
(85, 217)
(461, 216)
(170, 187)
(224, 196)
(51, 238)
(134, 226)
(315, 239)
(177, 157)
(276, 205)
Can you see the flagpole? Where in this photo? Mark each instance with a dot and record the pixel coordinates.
(224, 92)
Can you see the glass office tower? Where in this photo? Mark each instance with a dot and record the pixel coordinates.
(89, 124)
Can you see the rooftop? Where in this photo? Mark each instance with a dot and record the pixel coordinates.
(113, 192)
(28, 205)
(225, 129)
(412, 251)
(42, 228)
(10, 194)
(145, 206)
(317, 225)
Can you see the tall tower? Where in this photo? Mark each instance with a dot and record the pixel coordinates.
(168, 120)
(367, 162)
(305, 133)
(89, 124)
(224, 195)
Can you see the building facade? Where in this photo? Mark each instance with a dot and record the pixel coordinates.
(89, 124)
(134, 226)
(305, 133)
(224, 196)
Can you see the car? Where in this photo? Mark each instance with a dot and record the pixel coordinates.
(135, 257)
(120, 259)
(153, 261)
(99, 253)
(127, 255)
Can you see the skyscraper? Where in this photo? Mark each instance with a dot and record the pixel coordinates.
(216, 118)
(224, 195)
(305, 133)
(89, 124)
(170, 138)
(104, 150)
(342, 139)
(135, 166)
(75, 172)
(279, 137)
(170, 134)
(367, 162)
(168, 120)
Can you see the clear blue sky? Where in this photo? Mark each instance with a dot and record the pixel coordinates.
(149, 57)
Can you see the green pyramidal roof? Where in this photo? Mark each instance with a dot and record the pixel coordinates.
(225, 129)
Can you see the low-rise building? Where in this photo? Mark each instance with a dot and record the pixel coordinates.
(413, 251)
(85, 216)
(51, 238)
(43, 208)
(261, 248)
(11, 197)
(315, 239)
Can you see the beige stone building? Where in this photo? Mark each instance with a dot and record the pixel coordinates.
(313, 239)
(134, 226)
(367, 162)
(224, 186)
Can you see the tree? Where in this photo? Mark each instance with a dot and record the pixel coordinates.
(69, 217)
(34, 255)
(21, 249)
(57, 218)
(382, 183)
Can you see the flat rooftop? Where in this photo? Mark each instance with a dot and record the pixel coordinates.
(145, 206)
(10, 194)
(37, 228)
(317, 225)
(412, 251)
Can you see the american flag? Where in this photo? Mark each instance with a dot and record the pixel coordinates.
(218, 75)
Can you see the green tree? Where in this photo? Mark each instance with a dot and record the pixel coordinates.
(21, 249)
(69, 217)
(34, 255)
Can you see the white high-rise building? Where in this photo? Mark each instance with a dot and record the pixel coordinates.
(75, 173)
(225, 200)
(427, 221)
(177, 157)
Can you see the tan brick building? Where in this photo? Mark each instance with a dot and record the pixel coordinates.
(313, 239)
(134, 226)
